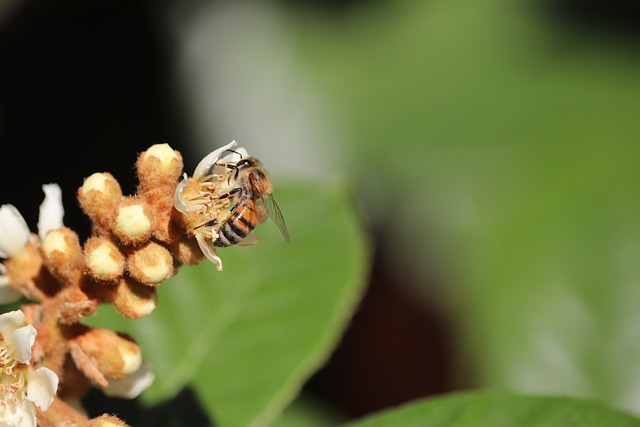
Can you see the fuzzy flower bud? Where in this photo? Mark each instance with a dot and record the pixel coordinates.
(106, 420)
(104, 355)
(103, 259)
(187, 252)
(132, 299)
(159, 164)
(76, 305)
(98, 195)
(62, 255)
(150, 264)
(133, 221)
(25, 270)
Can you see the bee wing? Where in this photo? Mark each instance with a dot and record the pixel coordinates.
(273, 211)
(275, 215)
(250, 239)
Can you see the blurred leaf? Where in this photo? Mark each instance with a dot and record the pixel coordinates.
(247, 338)
(499, 409)
(306, 411)
(511, 141)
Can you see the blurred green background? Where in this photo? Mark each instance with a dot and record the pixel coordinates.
(491, 146)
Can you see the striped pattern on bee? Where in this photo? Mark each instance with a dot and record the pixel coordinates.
(253, 203)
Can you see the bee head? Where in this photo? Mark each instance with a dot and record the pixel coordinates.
(246, 162)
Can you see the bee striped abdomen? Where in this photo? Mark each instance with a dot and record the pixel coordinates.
(241, 222)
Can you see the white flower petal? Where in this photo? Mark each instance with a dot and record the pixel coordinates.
(133, 385)
(42, 387)
(28, 415)
(178, 202)
(209, 251)
(9, 322)
(23, 339)
(23, 415)
(51, 210)
(14, 231)
(205, 164)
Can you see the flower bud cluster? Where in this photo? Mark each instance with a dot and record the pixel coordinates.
(136, 242)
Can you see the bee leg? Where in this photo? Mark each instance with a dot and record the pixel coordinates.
(233, 168)
(230, 193)
(209, 223)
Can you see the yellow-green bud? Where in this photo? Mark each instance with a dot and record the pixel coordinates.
(62, 255)
(114, 355)
(150, 264)
(187, 251)
(132, 299)
(98, 195)
(133, 221)
(106, 420)
(162, 152)
(103, 259)
(160, 164)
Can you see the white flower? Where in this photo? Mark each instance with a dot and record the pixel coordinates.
(14, 233)
(21, 386)
(211, 177)
(17, 338)
(51, 210)
(203, 173)
(133, 385)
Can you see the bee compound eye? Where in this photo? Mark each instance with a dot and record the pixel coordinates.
(244, 163)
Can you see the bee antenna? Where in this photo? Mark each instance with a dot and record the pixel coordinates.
(234, 151)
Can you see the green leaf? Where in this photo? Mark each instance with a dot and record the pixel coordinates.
(307, 411)
(510, 184)
(247, 338)
(499, 409)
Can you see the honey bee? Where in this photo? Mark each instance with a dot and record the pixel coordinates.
(253, 203)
